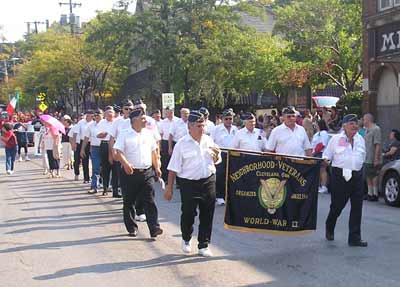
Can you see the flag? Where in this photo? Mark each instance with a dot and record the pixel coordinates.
(12, 104)
(272, 194)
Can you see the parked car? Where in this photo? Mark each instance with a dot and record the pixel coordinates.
(389, 182)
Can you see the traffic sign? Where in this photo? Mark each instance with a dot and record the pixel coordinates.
(168, 100)
(43, 107)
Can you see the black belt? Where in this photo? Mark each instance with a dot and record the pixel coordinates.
(104, 142)
(141, 170)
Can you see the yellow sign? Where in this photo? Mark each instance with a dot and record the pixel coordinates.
(43, 107)
(41, 97)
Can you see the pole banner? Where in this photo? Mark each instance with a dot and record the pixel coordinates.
(271, 193)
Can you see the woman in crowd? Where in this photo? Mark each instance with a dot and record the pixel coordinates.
(319, 142)
(392, 150)
(67, 155)
(10, 143)
(52, 148)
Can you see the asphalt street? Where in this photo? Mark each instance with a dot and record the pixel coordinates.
(55, 234)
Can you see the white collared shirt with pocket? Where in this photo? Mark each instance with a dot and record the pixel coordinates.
(343, 155)
(251, 141)
(137, 147)
(193, 160)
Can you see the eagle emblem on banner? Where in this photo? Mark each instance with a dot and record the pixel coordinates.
(272, 194)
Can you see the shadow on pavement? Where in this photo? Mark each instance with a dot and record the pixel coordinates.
(163, 261)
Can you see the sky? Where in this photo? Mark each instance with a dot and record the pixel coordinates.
(15, 13)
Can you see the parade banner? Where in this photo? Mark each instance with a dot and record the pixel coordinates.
(271, 193)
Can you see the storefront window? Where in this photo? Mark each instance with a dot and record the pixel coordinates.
(396, 2)
(386, 4)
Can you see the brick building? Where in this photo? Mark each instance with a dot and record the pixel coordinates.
(381, 62)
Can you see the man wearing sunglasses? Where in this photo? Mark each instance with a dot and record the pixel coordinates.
(289, 138)
(119, 124)
(223, 137)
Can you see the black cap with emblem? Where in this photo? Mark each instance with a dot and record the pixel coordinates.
(196, 117)
(247, 116)
(289, 110)
(350, 118)
(136, 113)
(228, 113)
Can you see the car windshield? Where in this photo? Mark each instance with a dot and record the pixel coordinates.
(326, 102)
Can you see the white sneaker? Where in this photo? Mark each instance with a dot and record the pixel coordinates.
(45, 172)
(8, 172)
(205, 252)
(142, 218)
(323, 189)
(220, 201)
(76, 177)
(186, 246)
(27, 158)
(11, 171)
(20, 158)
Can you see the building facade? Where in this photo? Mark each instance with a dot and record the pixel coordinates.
(381, 62)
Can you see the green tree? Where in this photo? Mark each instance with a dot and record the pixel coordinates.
(326, 35)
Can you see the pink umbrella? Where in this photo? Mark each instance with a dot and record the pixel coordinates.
(56, 125)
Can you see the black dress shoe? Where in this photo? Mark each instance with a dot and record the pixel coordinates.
(359, 243)
(133, 233)
(330, 236)
(374, 198)
(156, 232)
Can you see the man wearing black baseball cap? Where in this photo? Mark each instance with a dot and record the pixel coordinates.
(346, 154)
(137, 152)
(289, 138)
(193, 162)
(223, 136)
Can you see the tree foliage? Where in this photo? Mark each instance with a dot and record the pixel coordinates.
(326, 35)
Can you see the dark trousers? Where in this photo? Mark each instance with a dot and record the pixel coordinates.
(54, 164)
(197, 194)
(139, 184)
(23, 145)
(116, 175)
(341, 192)
(165, 157)
(85, 161)
(106, 167)
(221, 177)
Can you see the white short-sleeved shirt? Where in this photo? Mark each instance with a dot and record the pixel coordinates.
(209, 127)
(151, 125)
(178, 130)
(165, 127)
(105, 126)
(91, 133)
(222, 137)
(79, 129)
(120, 124)
(342, 155)
(284, 140)
(247, 140)
(137, 147)
(191, 159)
(320, 137)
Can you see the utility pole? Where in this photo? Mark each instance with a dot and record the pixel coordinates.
(71, 6)
(36, 23)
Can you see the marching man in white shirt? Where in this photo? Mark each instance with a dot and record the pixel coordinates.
(119, 124)
(346, 153)
(209, 124)
(90, 138)
(165, 127)
(223, 136)
(249, 138)
(137, 152)
(289, 138)
(193, 161)
(178, 130)
(103, 134)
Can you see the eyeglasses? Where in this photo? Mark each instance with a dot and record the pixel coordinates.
(291, 116)
(128, 109)
(228, 119)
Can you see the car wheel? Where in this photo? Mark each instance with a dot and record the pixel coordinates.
(391, 188)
